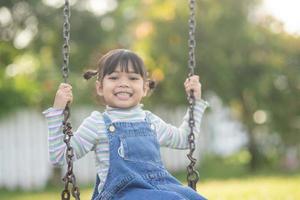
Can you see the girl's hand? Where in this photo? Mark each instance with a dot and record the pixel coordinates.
(63, 96)
(192, 83)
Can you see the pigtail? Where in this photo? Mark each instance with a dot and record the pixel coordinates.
(89, 74)
(151, 84)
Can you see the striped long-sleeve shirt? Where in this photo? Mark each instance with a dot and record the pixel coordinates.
(90, 136)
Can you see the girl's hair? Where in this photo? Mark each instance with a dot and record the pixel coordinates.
(119, 57)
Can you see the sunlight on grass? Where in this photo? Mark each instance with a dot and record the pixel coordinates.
(258, 188)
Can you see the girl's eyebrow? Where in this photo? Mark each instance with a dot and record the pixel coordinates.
(130, 72)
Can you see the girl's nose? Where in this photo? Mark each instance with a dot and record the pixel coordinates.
(123, 83)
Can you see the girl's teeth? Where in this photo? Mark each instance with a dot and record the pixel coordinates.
(123, 95)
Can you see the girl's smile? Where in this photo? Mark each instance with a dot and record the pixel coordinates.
(123, 95)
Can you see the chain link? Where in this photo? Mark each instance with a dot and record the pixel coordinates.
(69, 177)
(192, 174)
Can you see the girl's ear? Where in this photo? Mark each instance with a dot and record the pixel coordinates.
(146, 88)
(99, 88)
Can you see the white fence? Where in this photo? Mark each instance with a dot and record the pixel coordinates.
(24, 155)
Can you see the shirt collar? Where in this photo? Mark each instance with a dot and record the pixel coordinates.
(137, 107)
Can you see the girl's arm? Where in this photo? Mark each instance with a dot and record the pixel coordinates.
(177, 137)
(83, 140)
(174, 137)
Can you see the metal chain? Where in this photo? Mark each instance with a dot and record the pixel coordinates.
(66, 36)
(69, 177)
(192, 174)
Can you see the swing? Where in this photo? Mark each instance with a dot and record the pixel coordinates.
(69, 177)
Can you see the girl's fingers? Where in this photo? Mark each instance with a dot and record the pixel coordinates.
(67, 90)
(68, 98)
(186, 81)
(69, 94)
(194, 78)
(64, 95)
(186, 84)
(193, 85)
(65, 86)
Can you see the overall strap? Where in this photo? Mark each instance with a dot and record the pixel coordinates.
(149, 122)
(147, 117)
(108, 124)
(106, 119)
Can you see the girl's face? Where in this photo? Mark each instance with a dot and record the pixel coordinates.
(122, 89)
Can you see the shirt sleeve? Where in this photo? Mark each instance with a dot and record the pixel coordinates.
(177, 137)
(82, 141)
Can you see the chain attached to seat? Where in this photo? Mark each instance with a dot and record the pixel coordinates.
(69, 177)
(192, 174)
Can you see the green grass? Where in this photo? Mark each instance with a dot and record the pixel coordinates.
(250, 188)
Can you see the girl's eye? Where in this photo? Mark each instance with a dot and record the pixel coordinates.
(113, 77)
(133, 78)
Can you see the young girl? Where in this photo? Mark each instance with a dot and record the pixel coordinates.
(125, 138)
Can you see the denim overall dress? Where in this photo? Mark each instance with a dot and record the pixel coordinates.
(136, 171)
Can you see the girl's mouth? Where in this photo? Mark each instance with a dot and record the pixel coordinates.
(123, 95)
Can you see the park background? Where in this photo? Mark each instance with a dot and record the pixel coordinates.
(249, 66)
